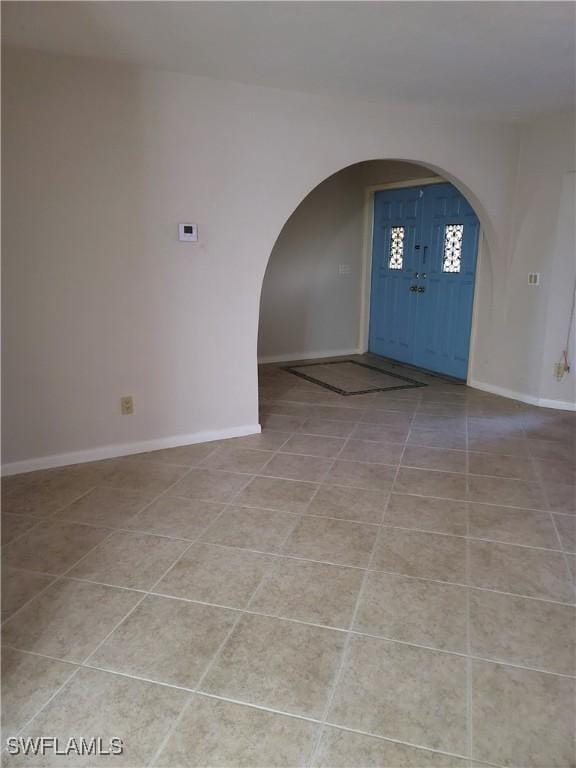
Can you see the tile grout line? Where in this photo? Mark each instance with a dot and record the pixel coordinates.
(469, 667)
(344, 653)
(115, 627)
(367, 570)
(64, 574)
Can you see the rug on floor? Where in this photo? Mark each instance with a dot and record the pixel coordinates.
(348, 377)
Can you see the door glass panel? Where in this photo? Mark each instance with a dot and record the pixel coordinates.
(396, 255)
(452, 256)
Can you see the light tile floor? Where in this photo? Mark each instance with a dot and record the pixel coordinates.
(376, 580)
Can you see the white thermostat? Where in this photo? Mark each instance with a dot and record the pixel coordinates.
(187, 233)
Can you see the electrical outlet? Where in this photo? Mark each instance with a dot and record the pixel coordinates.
(127, 405)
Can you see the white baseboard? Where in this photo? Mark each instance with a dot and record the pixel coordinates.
(125, 449)
(542, 402)
(287, 358)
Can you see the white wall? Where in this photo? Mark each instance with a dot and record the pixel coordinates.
(100, 300)
(308, 308)
(530, 324)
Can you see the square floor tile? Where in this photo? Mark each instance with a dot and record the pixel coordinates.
(28, 682)
(143, 476)
(180, 518)
(500, 466)
(561, 498)
(258, 529)
(232, 459)
(393, 690)
(19, 586)
(210, 485)
(290, 466)
(333, 541)
(112, 507)
(380, 433)
(426, 555)
(311, 592)
(427, 514)
(437, 438)
(15, 525)
(279, 422)
(413, 611)
(339, 412)
(531, 633)
(455, 423)
(377, 453)
(219, 733)
(513, 526)
(343, 749)
(166, 640)
(508, 493)
(566, 526)
(426, 482)
(213, 574)
(69, 619)
(498, 444)
(263, 441)
(387, 418)
(434, 458)
(282, 495)
(572, 566)
(522, 717)
(327, 427)
(561, 470)
(53, 547)
(314, 445)
(37, 500)
(360, 475)
(278, 664)
(95, 704)
(135, 560)
(346, 503)
(522, 571)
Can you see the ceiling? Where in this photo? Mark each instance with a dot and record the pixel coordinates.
(503, 60)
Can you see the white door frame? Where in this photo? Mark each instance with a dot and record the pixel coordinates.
(366, 278)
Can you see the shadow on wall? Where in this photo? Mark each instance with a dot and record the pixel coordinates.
(311, 300)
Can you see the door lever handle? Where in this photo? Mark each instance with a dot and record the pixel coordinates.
(421, 288)
(413, 288)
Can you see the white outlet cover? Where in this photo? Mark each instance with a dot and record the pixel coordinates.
(344, 269)
(533, 278)
(187, 233)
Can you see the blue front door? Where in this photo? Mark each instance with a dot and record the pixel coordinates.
(425, 244)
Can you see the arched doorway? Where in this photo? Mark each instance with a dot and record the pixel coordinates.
(317, 298)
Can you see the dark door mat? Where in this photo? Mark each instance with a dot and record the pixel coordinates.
(348, 377)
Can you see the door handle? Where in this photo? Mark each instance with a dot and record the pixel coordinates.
(413, 288)
(421, 288)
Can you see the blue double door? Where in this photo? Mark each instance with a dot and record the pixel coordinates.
(425, 245)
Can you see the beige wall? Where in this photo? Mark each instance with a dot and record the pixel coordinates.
(101, 161)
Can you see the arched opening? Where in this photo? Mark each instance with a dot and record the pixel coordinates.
(318, 294)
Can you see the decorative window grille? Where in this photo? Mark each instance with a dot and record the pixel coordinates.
(396, 255)
(452, 257)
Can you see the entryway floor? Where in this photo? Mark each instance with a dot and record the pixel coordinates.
(375, 580)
